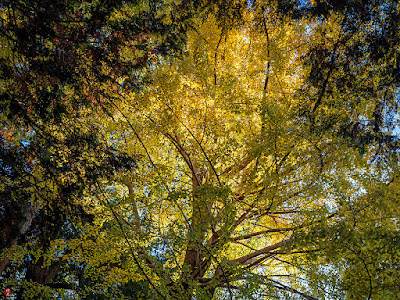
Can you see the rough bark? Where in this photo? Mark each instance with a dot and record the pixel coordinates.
(22, 230)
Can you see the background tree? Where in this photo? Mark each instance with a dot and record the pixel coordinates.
(58, 61)
(352, 92)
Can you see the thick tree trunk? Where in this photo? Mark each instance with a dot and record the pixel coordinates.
(196, 260)
(195, 264)
(22, 230)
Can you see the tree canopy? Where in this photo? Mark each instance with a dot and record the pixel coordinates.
(199, 149)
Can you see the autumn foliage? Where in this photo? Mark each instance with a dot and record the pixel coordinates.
(199, 149)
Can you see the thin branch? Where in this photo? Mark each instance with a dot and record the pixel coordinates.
(291, 211)
(268, 54)
(366, 268)
(281, 286)
(135, 209)
(250, 235)
(135, 133)
(147, 153)
(175, 141)
(193, 28)
(130, 245)
(245, 258)
(328, 75)
(243, 244)
(216, 55)
(243, 216)
(240, 166)
(223, 272)
(260, 260)
(198, 143)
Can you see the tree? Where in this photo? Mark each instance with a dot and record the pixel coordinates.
(248, 154)
(354, 82)
(241, 164)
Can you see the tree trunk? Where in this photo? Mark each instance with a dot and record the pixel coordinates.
(23, 228)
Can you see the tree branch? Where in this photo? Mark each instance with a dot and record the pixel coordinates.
(250, 235)
(245, 258)
(135, 210)
(216, 54)
(281, 286)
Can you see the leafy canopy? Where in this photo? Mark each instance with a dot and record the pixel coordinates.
(259, 160)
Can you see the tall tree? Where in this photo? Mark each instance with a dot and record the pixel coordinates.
(234, 174)
(262, 140)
